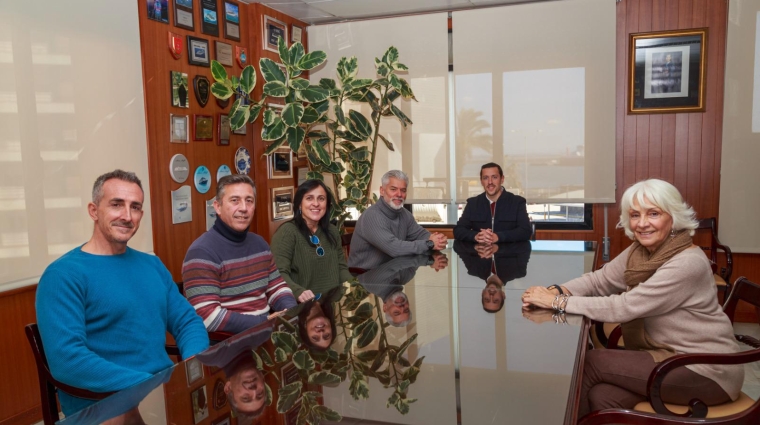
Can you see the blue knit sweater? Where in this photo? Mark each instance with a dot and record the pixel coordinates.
(103, 321)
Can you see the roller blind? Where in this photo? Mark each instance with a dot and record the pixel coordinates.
(421, 150)
(739, 171)
(534, 88)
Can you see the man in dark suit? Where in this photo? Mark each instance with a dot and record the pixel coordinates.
(495, 215)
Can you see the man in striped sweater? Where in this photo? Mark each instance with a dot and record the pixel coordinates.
(229, 273)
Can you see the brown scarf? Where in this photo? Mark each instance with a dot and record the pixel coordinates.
(641, 266)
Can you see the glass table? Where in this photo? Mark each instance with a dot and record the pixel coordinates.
(419, 340)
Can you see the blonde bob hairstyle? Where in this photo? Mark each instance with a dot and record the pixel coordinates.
(661, 194)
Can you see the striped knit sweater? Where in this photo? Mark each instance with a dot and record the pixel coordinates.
(231, 280)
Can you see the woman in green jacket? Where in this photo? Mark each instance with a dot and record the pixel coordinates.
(307, 249)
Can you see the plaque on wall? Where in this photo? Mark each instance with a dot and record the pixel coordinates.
(231, 21)
(209, 18)
(193, 370)
(223, 103)
(242, 161)
(179, 168)
(179, 89)
(280, 163)
(220, 398)
(222, 171)
(203, 128)
(202, 89)
(182, 205)
(178, 128)
(223, 53)
(224, 129)
(200, 404)
(175, 45)
(296, 34)
(274, 29)
(202, 179)
(282, 203)
(198, 51)
(241, 55)
(183, 14)
(158, 10)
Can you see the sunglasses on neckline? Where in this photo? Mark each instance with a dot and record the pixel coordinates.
(315, 241)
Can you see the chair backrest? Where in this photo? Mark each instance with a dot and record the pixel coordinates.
(744, 290)
(48, 384)
(711, 225)
(345, 241)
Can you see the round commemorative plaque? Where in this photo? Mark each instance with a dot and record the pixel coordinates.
(179, 168)
(242, 161)
(223, 171)
(202, 179)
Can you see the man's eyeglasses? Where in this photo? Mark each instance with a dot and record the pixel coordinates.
(315, 241)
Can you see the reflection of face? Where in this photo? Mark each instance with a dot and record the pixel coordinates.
(492, 295)
(247, 388)
(394, 193)
(650, 225)
(491, 181)
(318, 327)
(117, 216)
(397, 307)
(314, 206)
(237, 206)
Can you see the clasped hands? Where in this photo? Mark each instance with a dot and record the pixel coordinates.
(538, 296)
(439, 241)
(486, 236)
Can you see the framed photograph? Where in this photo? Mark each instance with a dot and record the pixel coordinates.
(296, 34)
(180, 96)
(203, 127)
(158, 10)
(231, 21)
(200, 404)
(178, 128)
(193, 370)
(282, 203)
(209, 19)
(224, 130)
(223, 53)
(222, 420)
(183, 14)
(667, 73)
(280, 163)
(197, 51)
(273, 29)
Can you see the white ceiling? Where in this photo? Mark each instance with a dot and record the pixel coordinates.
(328, 11)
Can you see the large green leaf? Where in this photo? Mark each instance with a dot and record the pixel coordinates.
(406, 90)
(328, 414)
(391, 56)
(387, 142)
(399, 67)
(360, 154)
(284, 340)
(322, 154)
(317, 134)
(295, 53)
(310, 115)
(355, 192)
(327, 84)
(220, 91)
(264, 354)
(400, 115)
(339, 115)
(274, 145)
(334, 168)
(299, 83)
(291, 114)
(269, 394)
(313, 175)
(359, 388)
(280, 356)
(255, 110)
(360, 83)
(359, 125)
(303, 360)
(322, 107)
(248, 79)
(269, 116)
(364, 311)
(324, 378)
(270, 71)
(383, 70)
(406, 344)
(311, 60)
(274, 131)
(367, 333)
(282, 48)
(347, 68)
(275, 89)
(218, 73)
(313, 94)
(288, 395)
(395, 82)
(294, 136)
(239, 116)
(368, 356)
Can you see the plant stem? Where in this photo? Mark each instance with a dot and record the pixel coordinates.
(374, 145)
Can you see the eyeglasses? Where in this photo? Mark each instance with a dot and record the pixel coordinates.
(315, 241)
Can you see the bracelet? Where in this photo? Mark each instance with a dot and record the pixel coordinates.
(559, 318)
(559, 303)
(557, 287)
(555, 303)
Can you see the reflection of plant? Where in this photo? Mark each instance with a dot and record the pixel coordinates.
(361, 324)
(344, 144)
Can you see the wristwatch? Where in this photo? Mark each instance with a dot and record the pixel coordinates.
(430, 244)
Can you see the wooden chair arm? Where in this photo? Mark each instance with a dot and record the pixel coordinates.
(614, 338)
(729, 259)
(697, 408)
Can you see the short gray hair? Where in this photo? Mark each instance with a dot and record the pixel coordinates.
(127, 176)
(389, 318)
(230, 180)
(661, 194)
(396, 174)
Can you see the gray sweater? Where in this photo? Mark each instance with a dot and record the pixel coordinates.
(383, 233)
(678, 304)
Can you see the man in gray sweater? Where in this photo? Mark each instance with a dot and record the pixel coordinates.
(386, 230)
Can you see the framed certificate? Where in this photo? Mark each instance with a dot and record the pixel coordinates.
(224, 130)
(280, 163)
(231, 21)
(282, 203)
(183, 14)
(197, 51)
(274, 29)
(203, 127)
(296, 34)
(178, 128)
(223, 53)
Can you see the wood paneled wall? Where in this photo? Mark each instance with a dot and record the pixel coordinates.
(171, 241)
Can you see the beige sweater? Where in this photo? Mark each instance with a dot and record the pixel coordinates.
(679, 306)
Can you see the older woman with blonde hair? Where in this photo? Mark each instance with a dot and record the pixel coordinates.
(661, 290)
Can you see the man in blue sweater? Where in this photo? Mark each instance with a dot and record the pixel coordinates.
(494, 216)
(103, 309)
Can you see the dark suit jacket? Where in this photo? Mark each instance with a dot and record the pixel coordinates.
(510, 261)
(511, 222)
